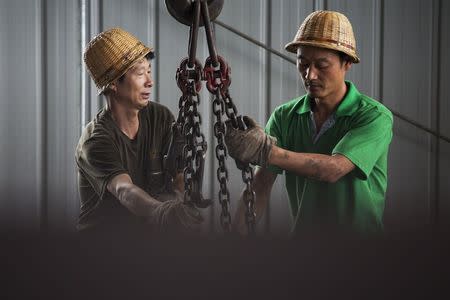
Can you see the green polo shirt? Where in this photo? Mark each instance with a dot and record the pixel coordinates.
(362, 132)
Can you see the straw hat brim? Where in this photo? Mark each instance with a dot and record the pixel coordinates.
(293, 46)
(144, 52)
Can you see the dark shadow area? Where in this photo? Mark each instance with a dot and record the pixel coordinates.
(315, 265)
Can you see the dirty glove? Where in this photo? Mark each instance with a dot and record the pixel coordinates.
(251, 145)
(175, 216)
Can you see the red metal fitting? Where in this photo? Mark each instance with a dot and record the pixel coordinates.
(217, 76)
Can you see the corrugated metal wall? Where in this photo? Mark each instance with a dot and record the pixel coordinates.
(46, 96)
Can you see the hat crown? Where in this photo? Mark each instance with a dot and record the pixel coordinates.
(326, 29)
(111, 53)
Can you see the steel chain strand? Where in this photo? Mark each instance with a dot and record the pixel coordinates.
(200, 145)
(249, 198)
(189, 148)
(216, 73)
(247, 170)
(188, 79)
(222, 171)
(218, 81)
(222, 103)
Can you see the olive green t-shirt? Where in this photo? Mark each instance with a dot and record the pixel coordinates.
(362, 132)
(104, 151)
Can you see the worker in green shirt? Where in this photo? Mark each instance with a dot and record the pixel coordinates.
(332, 143)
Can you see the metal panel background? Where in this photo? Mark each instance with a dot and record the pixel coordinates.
(407, 41)
(364, 16)
(444, 112)
(21, 114)
(63, 114)
(284, 84)
(44, 100)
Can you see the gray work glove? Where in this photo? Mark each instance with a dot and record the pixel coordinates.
(174, 216)
(251, 145)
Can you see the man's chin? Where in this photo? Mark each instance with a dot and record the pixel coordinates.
(145, 102)
(313, 94)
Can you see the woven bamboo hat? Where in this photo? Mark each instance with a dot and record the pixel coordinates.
(111, 54)
(326, 29)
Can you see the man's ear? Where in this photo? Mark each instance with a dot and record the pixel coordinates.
(347, 65)
(113, 86)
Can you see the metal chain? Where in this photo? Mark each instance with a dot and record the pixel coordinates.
(218, 81)
(249, 198)
(189, 148)
(189, 81)
(247, 170)
(221, 154)
(217, 74)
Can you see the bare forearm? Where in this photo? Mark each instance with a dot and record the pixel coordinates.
(312, 165)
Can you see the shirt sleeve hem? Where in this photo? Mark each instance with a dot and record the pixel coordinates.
(361, 171)
(107, 180)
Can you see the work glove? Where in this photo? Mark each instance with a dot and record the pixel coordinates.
(172, 215)
(251, 145)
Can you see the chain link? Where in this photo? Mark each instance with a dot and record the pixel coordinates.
(221, 154)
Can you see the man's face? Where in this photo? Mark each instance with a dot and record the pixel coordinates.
(321, 70)
(134, 90)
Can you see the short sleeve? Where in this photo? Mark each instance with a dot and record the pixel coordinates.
(98, 159)
(366, 142)
(273, 128)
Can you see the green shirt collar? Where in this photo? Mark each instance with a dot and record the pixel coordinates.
(346, 108)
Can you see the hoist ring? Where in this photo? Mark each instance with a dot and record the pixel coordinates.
(222, 74)
(184, 75)
(183, 10)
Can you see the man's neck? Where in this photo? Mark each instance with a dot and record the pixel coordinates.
(326, 106)
(125, 118)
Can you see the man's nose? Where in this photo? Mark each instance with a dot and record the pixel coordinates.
(149, 81)
(311, 73)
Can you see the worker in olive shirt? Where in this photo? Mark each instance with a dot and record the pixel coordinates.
(332, 143)
(120, 153)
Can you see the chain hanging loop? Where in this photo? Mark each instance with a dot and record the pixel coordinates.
(217, 75)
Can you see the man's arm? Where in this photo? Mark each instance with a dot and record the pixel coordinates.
(329, 168)
(168, 214)
(255, 146)
(131, 196)
(262, 185)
